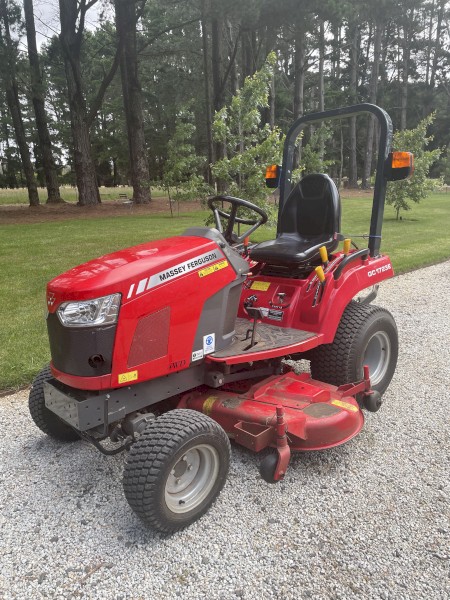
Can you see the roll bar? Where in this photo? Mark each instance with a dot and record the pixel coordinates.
(384, 146)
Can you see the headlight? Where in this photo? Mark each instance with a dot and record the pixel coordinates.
(88, 313)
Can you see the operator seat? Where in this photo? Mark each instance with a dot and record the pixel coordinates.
(308, 220)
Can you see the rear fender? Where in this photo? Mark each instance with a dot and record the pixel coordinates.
(324, 314)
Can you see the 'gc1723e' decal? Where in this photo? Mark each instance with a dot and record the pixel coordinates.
(176, 271)
(379, 270)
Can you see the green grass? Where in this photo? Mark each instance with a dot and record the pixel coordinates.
(69, 194)
(31, 254)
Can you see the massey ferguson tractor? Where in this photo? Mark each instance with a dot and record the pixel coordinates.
(169, 349)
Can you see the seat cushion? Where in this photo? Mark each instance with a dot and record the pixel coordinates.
(291, 249)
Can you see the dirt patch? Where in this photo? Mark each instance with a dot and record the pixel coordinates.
(22, 213)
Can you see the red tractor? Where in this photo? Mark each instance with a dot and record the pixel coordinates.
(170, 348)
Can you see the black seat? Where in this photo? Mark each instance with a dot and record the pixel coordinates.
(309, 219)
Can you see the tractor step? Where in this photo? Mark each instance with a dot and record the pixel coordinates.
(317, 415)
(270, 341)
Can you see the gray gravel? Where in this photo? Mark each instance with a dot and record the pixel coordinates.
(367, 520)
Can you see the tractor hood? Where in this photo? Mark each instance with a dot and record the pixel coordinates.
(134, 270)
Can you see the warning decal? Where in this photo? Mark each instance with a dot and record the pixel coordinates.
(213, 268)
(346, 405)
(126, 377)
(208, 404)
(262, 286)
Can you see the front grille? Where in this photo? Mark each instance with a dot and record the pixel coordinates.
(151, 338)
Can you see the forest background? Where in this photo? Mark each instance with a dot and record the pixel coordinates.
(146, 87)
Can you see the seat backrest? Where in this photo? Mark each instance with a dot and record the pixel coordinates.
(313, 208)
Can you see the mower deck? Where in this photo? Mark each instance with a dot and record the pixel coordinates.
(316, 415)
(269, 341)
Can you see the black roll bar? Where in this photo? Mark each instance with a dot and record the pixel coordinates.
(385, 141)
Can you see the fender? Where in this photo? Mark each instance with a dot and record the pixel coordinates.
(325, 315)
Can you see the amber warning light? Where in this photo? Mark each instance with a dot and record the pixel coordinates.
(402, 159)
(272, 176)
(399, 165)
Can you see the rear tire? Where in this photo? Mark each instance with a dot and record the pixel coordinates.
(176, 469)
(47, 421)
(366, 335)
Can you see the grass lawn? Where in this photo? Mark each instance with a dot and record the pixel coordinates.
(69, 194)
(31, 254)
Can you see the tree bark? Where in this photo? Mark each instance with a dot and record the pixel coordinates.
(207, 78)
(373, 99)
(71, 40)
(126, 21)
(321, 86)
(353, 166)
(12, 97)
(405, 68)
(299, 81)
(37, 93)
(216, 56)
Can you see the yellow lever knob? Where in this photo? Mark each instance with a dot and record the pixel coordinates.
(323, 254)
(320, 274)
(347, 243)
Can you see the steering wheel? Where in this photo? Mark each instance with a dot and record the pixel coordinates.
(232, 217)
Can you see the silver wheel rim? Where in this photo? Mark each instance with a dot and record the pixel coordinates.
(191, 478)
(377, 356)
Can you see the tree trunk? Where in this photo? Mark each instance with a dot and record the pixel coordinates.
(321, 87)
(126, 21)
(373, 100)
(216, 56)
(12, 97)
(404, 87)
(353, 166)
(37, 92)
(10, 173)
(429, 43)
(299, 82)
(206, 76)
(71, 40)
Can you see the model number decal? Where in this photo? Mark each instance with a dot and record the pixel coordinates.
(379, 270)
(126, 377)
(176, 271)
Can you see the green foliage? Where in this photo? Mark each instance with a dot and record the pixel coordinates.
(417, 187)
(248, 146)
(180, 177)
(312, 157)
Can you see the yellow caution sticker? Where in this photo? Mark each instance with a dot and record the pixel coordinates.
(208, 404)
(262, 286)
(213, 268)
(126, 377)
(346, 405)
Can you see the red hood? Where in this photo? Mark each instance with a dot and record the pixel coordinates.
(123, 271)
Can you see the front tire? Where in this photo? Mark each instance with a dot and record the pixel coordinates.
(48, 422)
(176, 469)
(366, 335)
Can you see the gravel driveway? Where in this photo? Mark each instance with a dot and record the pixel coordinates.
(370, 519)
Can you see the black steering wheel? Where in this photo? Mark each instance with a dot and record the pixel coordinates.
(232, 218)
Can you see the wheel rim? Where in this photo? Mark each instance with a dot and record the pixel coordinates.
(377, 356)
(192, 478)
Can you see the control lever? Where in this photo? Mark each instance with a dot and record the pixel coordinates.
(255, 313)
